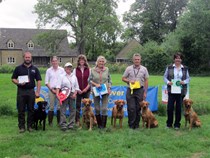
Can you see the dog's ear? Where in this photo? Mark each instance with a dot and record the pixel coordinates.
(141, 103)
(90, 101)
(116, 102)
(147, 104)
(184, 101)
(191, 101)
(83, 100)
(123, 102)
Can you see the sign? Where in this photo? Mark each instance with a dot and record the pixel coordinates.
(118, 92)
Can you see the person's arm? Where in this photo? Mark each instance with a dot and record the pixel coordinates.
(37, 93)
(145, 88)
(187, 81)
(165, 77)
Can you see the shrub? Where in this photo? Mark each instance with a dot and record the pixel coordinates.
(6, 69)
(6, 110)
(162, 109)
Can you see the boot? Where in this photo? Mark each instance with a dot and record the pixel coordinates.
(104, 118)
(98, 118)
(58, 116)
(50, 117)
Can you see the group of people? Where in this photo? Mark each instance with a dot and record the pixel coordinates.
(81, 80)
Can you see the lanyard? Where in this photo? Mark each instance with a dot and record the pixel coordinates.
(135, 73)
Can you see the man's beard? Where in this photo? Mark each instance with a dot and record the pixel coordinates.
(27, 62)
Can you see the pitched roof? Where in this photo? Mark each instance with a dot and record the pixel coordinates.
(128, 48)
(22, 36)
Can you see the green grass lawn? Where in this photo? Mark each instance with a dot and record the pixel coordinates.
(109, 143)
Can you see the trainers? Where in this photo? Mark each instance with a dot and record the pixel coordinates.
(30, 129)
(64, 128)
(168, 127)
(176, 128)
(22, 130)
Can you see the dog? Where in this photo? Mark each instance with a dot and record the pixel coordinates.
(40, 115)
(147, 116)
(88, 116)
(118, 112)
(190, 115)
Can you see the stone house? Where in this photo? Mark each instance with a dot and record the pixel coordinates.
(14, 42)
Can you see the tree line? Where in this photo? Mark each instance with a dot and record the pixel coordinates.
(163, 27)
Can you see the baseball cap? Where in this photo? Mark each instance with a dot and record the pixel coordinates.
(68, 64)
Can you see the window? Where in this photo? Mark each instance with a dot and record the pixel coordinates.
(60, 60)
(30, 45)
(10, 44)
(10, 60)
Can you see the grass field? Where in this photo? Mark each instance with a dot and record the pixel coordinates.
(109, 143)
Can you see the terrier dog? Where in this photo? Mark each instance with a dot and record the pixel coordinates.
(118, 112)
(40, 114)
(147, 116)
(190, 115)
(88, 116)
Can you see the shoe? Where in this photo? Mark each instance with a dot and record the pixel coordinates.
(168, 127)
(22, 130)
(176, 128)
(30, 129)
(64, 128)
(71, 128)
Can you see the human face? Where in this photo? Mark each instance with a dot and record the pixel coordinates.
(54, 63)
(178, 60)
(81, 62)
(137, 60)
(101, 63)
(27, 58)
(68, 70)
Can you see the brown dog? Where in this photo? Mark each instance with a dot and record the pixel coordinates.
(118, 112)
(88, 116)
(147, 116)
(190, 114)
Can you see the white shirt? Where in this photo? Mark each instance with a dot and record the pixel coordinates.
(69, 81)
(52, 76)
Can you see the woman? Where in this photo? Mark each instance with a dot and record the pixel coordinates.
(70, 83)
(176, 77)
(100, 80)
(82, 72)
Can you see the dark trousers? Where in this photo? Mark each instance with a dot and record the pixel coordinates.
(134, 107)
(25, 99)
(172, 100)
(78, 103)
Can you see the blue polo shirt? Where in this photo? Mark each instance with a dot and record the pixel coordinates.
(32, 72)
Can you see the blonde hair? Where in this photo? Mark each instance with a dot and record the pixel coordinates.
(99, 58)
(136, 55)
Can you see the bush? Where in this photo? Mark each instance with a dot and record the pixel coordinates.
(162, 109)
(6, 69)
(6, 110)
(116, 67)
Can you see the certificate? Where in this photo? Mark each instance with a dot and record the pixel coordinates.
(176, 87)
(23, 79)
(98, 91)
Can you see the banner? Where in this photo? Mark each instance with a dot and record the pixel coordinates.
(118, 92)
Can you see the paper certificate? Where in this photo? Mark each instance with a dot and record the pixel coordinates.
(23, 79)
(100, 90)
(176, 87)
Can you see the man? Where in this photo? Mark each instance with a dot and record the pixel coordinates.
(51, 80)
(69, 81)
(136, 76)
(24, 77)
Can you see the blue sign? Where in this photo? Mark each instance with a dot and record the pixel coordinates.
(118, 92)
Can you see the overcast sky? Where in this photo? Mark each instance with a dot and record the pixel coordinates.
(18, 13)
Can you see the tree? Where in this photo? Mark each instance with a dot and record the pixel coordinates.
(90, 21)
(194, 35)
(51, 40)
(153, 19)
